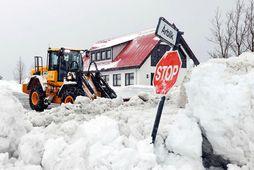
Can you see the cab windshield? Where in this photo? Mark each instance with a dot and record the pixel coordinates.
(72, 58)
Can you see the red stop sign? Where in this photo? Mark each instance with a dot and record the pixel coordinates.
(166, 72)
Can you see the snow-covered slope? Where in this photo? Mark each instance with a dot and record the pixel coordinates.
(112, 134)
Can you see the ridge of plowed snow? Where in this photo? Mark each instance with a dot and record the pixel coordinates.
(111, 134)
(221, 97)
(105, 134)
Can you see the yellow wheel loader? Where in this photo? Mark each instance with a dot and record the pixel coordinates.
(63, 79)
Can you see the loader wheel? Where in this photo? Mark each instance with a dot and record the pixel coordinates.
(36, 99)
(68, 97)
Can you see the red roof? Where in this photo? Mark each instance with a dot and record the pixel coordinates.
(136, 52)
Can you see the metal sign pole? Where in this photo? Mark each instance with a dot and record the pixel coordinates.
(157, 118)
(171, 35)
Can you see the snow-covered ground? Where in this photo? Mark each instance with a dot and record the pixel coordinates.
(112, 134)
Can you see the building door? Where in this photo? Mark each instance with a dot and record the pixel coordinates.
(152, 75)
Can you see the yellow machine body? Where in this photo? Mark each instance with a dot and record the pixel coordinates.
(62, 79)
(52, 85)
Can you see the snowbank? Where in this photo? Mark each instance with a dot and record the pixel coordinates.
(11, 86)
(96, 144)
(11, 121)
(189, 130)
(221, 97)
(12, 124)
(112, 134)
(83, 110)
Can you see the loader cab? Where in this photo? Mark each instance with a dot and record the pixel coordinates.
(61, 61)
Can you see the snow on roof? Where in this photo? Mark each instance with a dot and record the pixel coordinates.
(137, 51)
(104, 65)
(118, 40)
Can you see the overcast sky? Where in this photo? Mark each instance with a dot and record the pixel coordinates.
(29, 27)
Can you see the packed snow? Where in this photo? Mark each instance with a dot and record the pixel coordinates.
(112, 134)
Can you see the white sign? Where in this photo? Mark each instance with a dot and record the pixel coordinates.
(165, 31)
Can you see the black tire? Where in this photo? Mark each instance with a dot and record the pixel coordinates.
(71, 93)
(68, 96)
(45, 106)
(36, 99)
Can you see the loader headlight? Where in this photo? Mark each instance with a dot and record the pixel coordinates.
(71, 76)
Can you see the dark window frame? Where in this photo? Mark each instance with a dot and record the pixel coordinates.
(110, 56)
(98, 57)
(93, 56)
(50, 66)
(116, 80)
(107, 56)
(128, 77)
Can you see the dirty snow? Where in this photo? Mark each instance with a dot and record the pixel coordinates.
(112, 134)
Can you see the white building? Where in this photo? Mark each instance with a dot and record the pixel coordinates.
(131, 59)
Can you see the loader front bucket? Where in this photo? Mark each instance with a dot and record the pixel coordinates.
(94, 85)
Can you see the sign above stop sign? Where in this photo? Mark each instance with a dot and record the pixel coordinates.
(166, 72)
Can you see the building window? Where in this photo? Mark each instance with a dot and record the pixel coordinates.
(129, 79)
(103, 55)
(93, 57)
(98, 56)
(108, 54)
(105, 78)
(116, 79)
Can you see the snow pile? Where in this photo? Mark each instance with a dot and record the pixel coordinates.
(12, 124)
(11, 121)
(190, 132)
(221, 97)
(112, 134)
(10, 86)
(107, 134)
(84, 109)
(118, 139)
(96, 144)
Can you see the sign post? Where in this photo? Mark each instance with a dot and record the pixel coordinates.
(158, 118)
(167, 69)
(165, 77)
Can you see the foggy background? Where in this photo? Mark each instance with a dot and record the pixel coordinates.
(29, 27)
